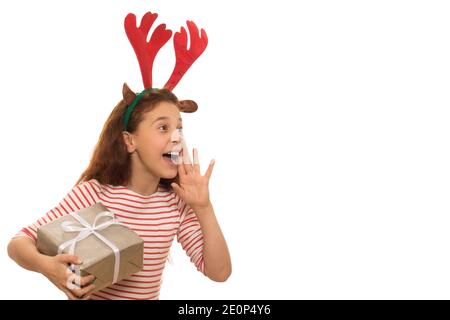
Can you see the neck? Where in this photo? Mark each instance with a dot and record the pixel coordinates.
(142, 181)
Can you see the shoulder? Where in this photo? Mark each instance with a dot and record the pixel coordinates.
(91, 186)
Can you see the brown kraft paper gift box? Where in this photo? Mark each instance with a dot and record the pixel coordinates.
(98, 258)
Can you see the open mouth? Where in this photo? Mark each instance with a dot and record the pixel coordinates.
(172, 157)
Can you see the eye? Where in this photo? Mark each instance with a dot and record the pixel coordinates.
(164, 127)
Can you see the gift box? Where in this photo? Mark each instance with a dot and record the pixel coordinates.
(108, 249)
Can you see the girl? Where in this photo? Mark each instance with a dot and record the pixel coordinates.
(133, 174)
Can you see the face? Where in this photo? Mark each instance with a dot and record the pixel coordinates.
(158, 134)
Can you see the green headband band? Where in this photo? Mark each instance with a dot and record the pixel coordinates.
(131, 107)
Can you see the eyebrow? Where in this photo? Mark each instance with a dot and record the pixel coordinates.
(165, 118)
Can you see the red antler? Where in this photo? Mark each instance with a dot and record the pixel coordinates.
(184, 57)
(146, 51)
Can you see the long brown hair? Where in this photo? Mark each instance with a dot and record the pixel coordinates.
(111, 162)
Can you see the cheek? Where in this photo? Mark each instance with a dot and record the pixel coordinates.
(153, 147)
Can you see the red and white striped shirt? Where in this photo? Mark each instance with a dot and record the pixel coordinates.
(156, 218)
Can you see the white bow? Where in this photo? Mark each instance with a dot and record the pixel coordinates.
(87, 230)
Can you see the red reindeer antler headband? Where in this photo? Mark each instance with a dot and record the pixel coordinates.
(146, 51)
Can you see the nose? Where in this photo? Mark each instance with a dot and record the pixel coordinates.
(176, 136)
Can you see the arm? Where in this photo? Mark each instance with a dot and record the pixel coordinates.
(215, 251)
(22, 248)
(24, 252)
(211, 246)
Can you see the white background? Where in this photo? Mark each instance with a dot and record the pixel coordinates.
(328, 121)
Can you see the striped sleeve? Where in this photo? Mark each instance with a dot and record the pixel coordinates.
(190, 235)
(81, 196)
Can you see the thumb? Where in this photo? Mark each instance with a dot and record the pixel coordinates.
(177, 188)
(69, 258)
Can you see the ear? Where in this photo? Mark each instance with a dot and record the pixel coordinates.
(128, 95)
(188, 106)
(129, 142)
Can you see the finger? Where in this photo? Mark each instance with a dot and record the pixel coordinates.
(187, 160)
(81, 292)
(69, 294)
(196, 162)
(72, 282)
(87, 280)
(181, 160)
(69, 258)
(181, 169)
(185, 153)
(210, 168)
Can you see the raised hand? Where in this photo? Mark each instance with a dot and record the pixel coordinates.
(193, 188)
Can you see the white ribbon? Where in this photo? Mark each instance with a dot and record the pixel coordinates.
(87, 230)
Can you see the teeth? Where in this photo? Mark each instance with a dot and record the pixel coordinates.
(174, 156)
